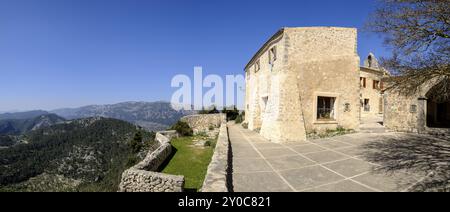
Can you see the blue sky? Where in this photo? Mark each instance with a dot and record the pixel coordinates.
(68, 53)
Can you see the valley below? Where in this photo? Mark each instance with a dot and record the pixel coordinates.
(82, 149)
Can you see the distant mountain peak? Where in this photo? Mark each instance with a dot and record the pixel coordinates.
(23, 115)
(152, 116)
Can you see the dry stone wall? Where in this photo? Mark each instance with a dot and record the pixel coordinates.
(135, 180)
(202, 123)
(216, 175)
(143, 176)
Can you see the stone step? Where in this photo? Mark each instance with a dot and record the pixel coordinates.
(372, 130)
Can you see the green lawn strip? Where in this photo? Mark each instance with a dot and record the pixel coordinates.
(190, 161)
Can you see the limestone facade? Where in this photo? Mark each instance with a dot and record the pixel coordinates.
(304, 80)
(420, 112)
(371, 84)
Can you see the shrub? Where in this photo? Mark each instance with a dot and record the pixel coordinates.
(245, 125)
(183, 128)
(231, 114)
(208, 143)
(132, 160)
(212, 110)
(202, 134)
(136, 144)
(341, 129)
(239, 119)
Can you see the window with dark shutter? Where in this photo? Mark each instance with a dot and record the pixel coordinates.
(363, 81)
(376, 84)
(257, 66)
(272, 55)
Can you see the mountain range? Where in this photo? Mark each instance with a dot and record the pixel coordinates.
(12, 130)
(23, 115)
(153, 116)
(23, 125)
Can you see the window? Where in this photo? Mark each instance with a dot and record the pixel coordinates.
(265, 99)
(366, 105)
(257, 66)
(272, 55)
(363, 81)
(376, 84)
(325, 108)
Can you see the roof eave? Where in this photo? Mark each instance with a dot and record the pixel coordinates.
(263, 48)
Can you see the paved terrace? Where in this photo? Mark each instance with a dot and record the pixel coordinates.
(364, 162)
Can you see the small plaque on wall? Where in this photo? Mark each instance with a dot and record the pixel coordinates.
(413, 109)
(347, 107)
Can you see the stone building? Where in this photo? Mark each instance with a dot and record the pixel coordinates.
(371, 74)
(425, 111)
(304, 80)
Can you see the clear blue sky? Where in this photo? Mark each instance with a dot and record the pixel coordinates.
(67, 53)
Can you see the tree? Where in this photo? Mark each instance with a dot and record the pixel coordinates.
(418, 31)
(231, 114)
(183, 128)
(136, 144)
(211, 110)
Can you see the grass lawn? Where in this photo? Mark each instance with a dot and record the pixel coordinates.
(190, 161)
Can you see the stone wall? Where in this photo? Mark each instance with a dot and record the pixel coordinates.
(408, 113)
(154, 159)
(398, 115)
(325, 63)
(374, 95)
(143, 176)
(135, 180)
(216, 175)
(281, 98)
(202, 122)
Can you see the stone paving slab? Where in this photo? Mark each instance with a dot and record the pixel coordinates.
(342, 186)
(350, 167)
(326, 165)
(289, 162)
(351, 151)
(245, 152)
(259, 182)
(251, 165)
(261, 145)
(326, 156)
(387, 182)
(308, 148)
(277, 152)
(309, 177)
(332, 144)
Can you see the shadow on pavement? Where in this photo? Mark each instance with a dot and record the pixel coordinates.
(414, 154)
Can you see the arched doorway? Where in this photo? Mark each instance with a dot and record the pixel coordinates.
(438, 105)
